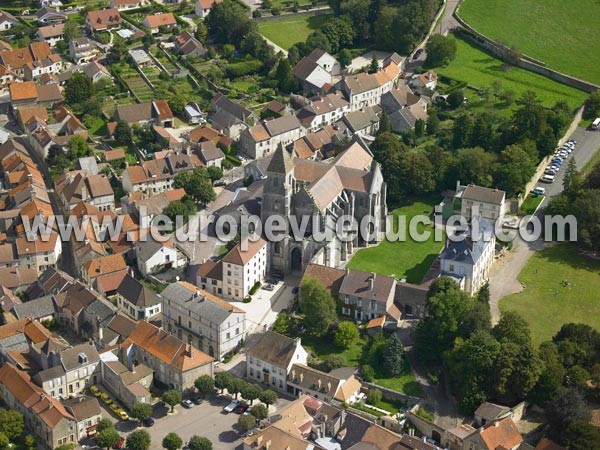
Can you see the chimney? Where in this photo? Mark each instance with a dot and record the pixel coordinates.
(319, 384)
(301, 377)
(371, 281)
(132, 367)
(268, 444)
(259, 440)
(188, 350)
(328, 390)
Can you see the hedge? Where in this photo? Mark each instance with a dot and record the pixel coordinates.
(243, 68)
(233, 160)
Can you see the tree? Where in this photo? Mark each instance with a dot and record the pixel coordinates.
(184, 208)
(339, 32)
(418, 173)
(462, 130)
(512, 327)
(474, 165)
(229, 22)
(344, 58)
(367, 373)
(440, 50)
(375, 396)
(172, 398)
(222, 380)
(138, 440)
(3, 440)
(385, 126)
(318, 307)
(284, 75)
(268, 397)
(246, 422)
(197, 184)
(199, 443)
(235, 386)
(374, 66)
(205, 384)
(71, 30)
(566, 408)
(104, 424)
(11, 423)
(514, 170)
(107, 438)
(346, 334)
(592, 106)
(260, 412)
(570, 181)
(215, 173)
(78, 88)
(30, 442)
(552, 376)
(172, 441)
(77, 147)
(122, 133)
(581, 436)
(419, 127)
(455, 98)
(433, 123)
(251, 392)
(141, 411)
(201, 31)
(393, 356)
(282, 324)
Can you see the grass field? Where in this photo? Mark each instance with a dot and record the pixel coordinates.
(561, 286)
(287, 31)
(409, 259)
(405, 383)
(563, 34)
(530, 204)
(479, 69)
(322, 348)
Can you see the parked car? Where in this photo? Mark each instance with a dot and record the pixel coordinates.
(231, 406)
(148, 422)
(187, 403)
(268, 287)
(219, 183)
(105, 398)
(548, 178)
(539, 190)
(197, 400)
(119, 445)
(95, 391)
(122, 414)
(114, 407)
(240, 408)
(248, 411)
(418, 53)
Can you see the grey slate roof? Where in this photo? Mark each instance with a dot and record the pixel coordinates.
(72, 357)
(275, 349)
(359, 120)
(282, 125)
(469, 250)
(145, 250)
(35, 309)
(50, 374)
(357, 282)
(100, 309)
(402, 120)
(483, 194)
(281, 162)
(219, 101)
(205, 307)
(136, 293)
(88, 163)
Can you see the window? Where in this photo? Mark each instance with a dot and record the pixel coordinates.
(451, 268)
(228, 336)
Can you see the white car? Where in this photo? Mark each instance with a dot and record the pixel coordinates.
(548, 178)
(229, 408)
(539, 191)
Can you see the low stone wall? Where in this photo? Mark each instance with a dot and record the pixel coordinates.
(389, 394)
(424, 426)
(310, 12)
(525, 62)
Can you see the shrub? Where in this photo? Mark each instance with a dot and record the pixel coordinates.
(237, 70)
(275, 11)
(254, 288)
(374, 396)
(367, 372)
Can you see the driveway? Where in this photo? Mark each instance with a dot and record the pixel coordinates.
(503, 278)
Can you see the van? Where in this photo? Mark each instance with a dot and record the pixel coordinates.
(548, 178)
(596, 123)
(539, 191)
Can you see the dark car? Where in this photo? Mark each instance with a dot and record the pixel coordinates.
(197, 400)
(240, 408)
(418, 53)
(295, 290)
(219, 183)
(148, 422)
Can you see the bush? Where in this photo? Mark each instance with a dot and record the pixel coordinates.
(232, 160)
(374, 396)
(237, 70)
(367, 372)
(276, 11)
(256, 14)
(254, 288)
(247, 299)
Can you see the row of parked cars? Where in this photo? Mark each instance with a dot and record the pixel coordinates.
(561, 155)
(238, 407)
(114, 407)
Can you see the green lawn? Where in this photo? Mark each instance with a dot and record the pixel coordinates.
(287, 31)
(479, 69)
(563, 34)
(322, 348)
(405, 383)
(409, 259)
(546, 303)
(531, 203)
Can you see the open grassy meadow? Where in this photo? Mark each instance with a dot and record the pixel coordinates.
(563, 34)
(410, 259)
(287, 31)
(480, 69)
(561, 286)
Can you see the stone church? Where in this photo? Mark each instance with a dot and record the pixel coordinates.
(350, 184)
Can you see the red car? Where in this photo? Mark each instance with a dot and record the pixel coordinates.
(119, 445)
(240, 408)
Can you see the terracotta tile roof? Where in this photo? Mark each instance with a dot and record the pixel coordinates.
(40, 50)
(207, 4)
(33, 397)
(137, 174)
(27, 247)
(211, 269)
(160, 20)
(99, 186)
(111, 281)
(26, 90)
(17, 58)
(104, 18)
(259, 133)
(376, 323)
(174, 194)
(114, 155)
(330, 277)
(241, 257)
(105, 265)
(166, 347)
(547, 444)
(162, 109)
(24, 115)
(499, 433)
(32, 329)
(348, 389)
(52, 30)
